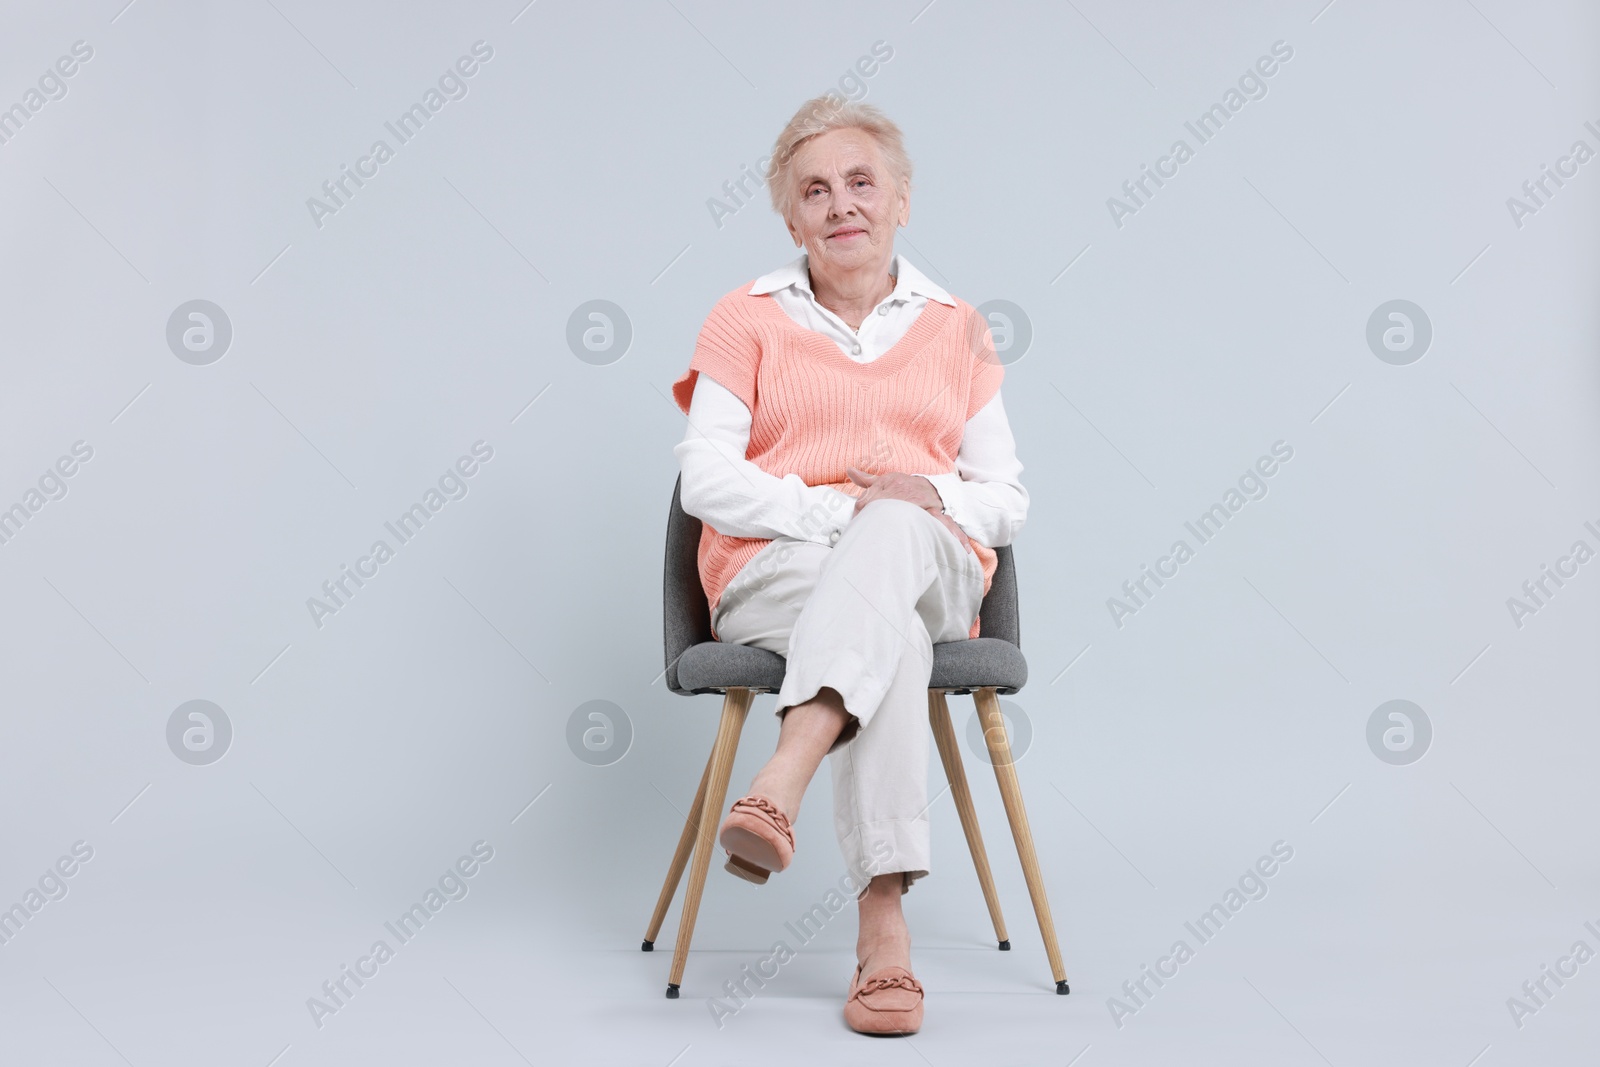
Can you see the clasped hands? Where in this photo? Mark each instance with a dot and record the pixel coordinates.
(913, 488)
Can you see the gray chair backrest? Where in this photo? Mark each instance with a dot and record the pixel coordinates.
(687, 616)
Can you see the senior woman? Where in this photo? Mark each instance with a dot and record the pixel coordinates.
(851, 462)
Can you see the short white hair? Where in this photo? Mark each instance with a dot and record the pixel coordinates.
(821, 115)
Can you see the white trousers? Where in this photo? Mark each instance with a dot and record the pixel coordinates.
(861, 616)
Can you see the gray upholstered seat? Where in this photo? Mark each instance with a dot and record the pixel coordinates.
(696, 663)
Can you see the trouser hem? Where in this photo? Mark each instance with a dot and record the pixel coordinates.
(888, 846)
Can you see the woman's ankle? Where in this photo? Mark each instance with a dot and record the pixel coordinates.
(879, 913)
(884, 946)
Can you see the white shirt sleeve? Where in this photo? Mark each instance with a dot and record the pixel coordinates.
(738, 498)
(985, 496)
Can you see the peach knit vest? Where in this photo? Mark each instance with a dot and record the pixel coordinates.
(815, 411)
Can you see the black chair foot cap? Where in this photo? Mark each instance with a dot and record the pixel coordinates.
(648, 946)
(672, 990)
(1005, 946)
(1061, 987)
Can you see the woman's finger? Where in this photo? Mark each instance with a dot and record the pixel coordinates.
(961, 535)
(859, 476)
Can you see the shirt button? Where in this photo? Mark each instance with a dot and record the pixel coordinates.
(833, 538)
(856, 349)
(883, 309)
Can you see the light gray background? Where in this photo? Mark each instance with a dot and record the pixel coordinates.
(431, 311)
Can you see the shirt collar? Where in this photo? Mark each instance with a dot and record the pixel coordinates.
(909, 281)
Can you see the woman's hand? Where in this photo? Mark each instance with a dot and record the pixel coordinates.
(913, 488)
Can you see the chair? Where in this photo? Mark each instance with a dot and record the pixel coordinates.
(984, 667)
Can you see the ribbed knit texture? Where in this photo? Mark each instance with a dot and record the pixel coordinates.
(815, 411)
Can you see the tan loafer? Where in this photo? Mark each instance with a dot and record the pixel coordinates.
(758, 838)
(888, 1002)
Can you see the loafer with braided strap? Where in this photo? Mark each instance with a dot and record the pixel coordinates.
(889, 1001)
(758, 839)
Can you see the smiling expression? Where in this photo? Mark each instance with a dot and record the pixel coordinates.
(846, 203)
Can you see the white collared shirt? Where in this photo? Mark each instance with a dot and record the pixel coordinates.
(720, 486)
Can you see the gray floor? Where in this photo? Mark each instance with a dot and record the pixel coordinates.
(1394, 935)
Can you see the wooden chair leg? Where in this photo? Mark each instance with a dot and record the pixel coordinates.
(680, 858)
(950, 755)
(734, 707)
(1005, 772)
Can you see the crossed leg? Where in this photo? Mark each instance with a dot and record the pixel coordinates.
(857, 623)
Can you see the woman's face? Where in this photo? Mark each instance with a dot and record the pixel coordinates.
(846, 204)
